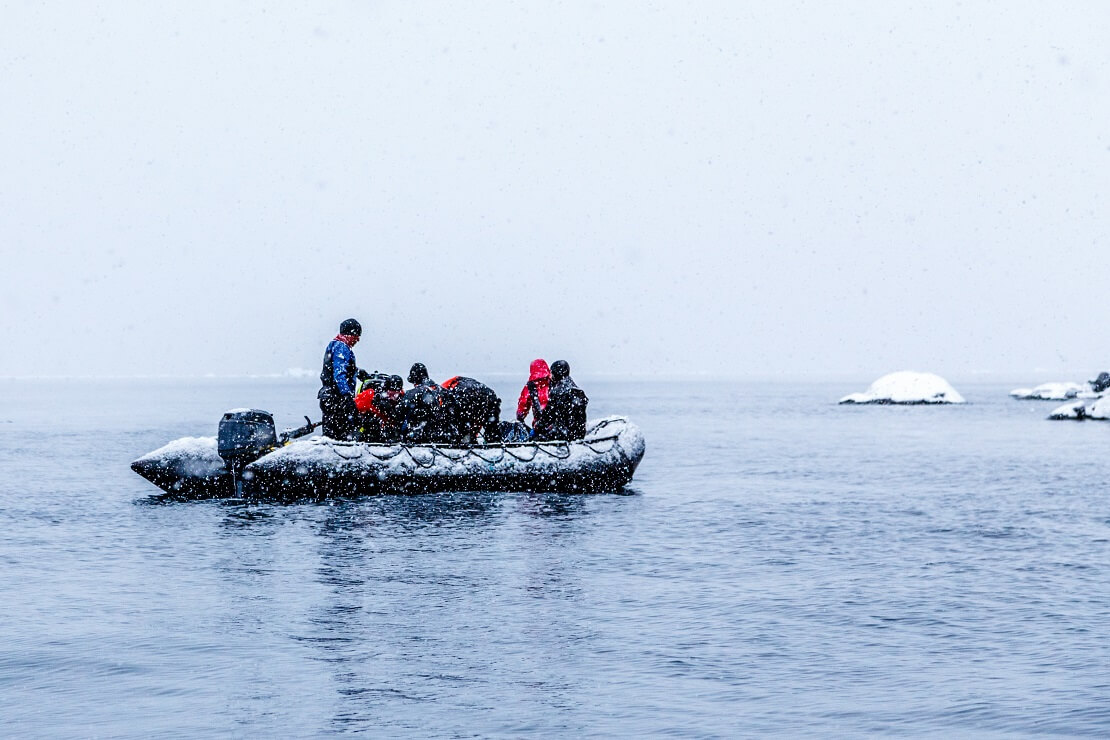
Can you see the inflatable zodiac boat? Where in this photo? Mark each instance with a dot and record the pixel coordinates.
(248, 460)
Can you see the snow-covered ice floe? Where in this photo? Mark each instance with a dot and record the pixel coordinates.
(319, 467)
(1097, 409)
(907, 387)
(1052, 392)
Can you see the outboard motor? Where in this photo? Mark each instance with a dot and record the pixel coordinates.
(245, 435)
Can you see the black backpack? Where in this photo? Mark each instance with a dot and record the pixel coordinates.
(429, 402)
(576, 413)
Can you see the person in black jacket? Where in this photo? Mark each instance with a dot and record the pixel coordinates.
(564, 417)
(424, 410)
(474, 407)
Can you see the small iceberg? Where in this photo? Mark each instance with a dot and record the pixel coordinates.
(1050, 392)
(1096, 410)
(907, 387)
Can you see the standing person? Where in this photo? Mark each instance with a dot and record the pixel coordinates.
(533, 397)
(474, 407)
(337, 378)
(564, 417)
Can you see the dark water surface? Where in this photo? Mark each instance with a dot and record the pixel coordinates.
(781, 565)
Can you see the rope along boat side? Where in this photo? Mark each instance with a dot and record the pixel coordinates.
(319, 468)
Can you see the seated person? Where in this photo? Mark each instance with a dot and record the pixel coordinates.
(475, 408)
(425, 416)
(564, 417)
(378, 402)
(533, 396)
(391, 406)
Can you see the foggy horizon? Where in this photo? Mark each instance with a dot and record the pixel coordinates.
(717, 190)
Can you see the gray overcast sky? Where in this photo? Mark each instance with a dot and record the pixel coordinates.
(749, 188)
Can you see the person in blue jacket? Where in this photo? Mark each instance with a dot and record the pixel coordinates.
(338, 378)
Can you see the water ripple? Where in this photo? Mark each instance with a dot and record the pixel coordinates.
(808, 571)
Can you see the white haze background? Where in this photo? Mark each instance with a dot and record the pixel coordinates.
(671, 187)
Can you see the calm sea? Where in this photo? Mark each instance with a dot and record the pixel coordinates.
(780, 566)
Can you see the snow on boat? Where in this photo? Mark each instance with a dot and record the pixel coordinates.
(319, 468)
(907, 387)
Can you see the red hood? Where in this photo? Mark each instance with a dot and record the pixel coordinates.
(348, 339)
(539, 370)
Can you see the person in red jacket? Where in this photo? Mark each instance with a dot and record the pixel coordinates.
(378, 403)
(533, 397)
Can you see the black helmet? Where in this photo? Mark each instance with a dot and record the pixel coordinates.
(418, 373)
(351, 327)
(560, 369)
(394, 383)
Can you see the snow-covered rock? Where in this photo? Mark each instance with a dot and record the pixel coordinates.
(1073, 410)
(1050, 392)
(1097, 409)
(907, 387)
